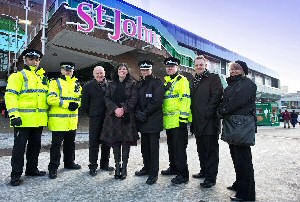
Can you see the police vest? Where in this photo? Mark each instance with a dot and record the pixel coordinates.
(25, 96)
(62, 91)
(177, 101)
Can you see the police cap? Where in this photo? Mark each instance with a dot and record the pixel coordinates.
(171, 61)
(145, 64)
(32, 53)
(68, 66)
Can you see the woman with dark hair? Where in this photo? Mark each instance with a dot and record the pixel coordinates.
(239, 128)
(119, 129)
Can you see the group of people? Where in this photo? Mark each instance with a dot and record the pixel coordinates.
(120, 108)
(292, 118)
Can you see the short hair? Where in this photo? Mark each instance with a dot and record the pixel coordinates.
(200, 57)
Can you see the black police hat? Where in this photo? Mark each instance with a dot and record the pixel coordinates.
(243, 65)
(145, 64)
(32, 53)
(67, 65)
(171, 61)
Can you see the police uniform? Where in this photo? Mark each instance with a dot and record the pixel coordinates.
(64, 99)
(150, 121)
(25, 99)
(176, 110)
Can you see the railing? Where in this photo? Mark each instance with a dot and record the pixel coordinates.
(268, 89)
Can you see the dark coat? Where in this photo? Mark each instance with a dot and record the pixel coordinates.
(150, 99)
(122, 129)
(239, 97)
(92, 101)
(206, 97)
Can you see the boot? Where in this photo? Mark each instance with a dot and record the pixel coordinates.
(117, 156)
(125, 156)
(118, 170)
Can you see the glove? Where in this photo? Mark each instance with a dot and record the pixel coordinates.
(16, 121)
(182, 125)
(140, 116)
(73, 106)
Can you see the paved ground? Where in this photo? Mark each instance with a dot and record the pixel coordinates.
(275, 156)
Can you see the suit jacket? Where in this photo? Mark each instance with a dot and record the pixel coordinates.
(206, 97)
(93, 102)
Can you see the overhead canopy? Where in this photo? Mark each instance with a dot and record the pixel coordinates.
(8, 40)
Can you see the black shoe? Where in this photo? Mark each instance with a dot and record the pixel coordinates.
(198, 175)
(169, 171)
(73, 166)
(35, 173)
(232, 188)
(151, 180)
(93, 172)
(107, 168)
(52, 174)
(207, 184)
(141, 172)
(179, 179)
(234, 198)
(15, 182)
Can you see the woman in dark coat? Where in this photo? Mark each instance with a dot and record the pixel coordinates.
(119, 129)
(238, 110)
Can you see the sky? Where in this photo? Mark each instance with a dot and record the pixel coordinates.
(265, 31)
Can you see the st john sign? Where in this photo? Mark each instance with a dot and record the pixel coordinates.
(95, 17)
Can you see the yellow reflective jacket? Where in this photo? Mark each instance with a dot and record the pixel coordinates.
(25, 96)
(177, 101)
(62, 91)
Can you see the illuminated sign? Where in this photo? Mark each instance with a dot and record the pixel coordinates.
(96, 18)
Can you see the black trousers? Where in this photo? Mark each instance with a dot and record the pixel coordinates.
(95, 129)
(68, 139)
(177, 139)
(208, 152)
(242, 161)
(150, 152)
(21, 137)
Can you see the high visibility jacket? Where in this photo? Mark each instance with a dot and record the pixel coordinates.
(177, 101)
(62, 91)
(25, 96)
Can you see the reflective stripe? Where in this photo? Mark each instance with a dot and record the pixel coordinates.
(34, 91)
(70, 98)
(12, 110)
(186, 95)
(32, 110)
(171, 114)
(185, 113)
(12, 91)
(27, 110)
(63, 115)
(53, 93)
(25, 79)
(60, 92)
(171, 96)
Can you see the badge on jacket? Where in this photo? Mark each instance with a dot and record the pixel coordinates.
(148, 95)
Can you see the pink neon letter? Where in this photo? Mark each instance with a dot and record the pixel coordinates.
(141, 29)
(117, 26)
(100, 13)
(132, 25)
(85, 17)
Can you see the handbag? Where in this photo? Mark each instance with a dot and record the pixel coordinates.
(239, 130)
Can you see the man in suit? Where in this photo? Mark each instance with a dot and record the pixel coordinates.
(206, 94)
(93, 104)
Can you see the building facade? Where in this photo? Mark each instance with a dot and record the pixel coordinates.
(105, 32)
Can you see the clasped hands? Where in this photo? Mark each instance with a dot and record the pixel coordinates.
(119, 112)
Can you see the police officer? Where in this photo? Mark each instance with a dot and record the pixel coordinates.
(25, 100)
(176, 110)
(93, 104)
(150, 119)
(64, 99)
